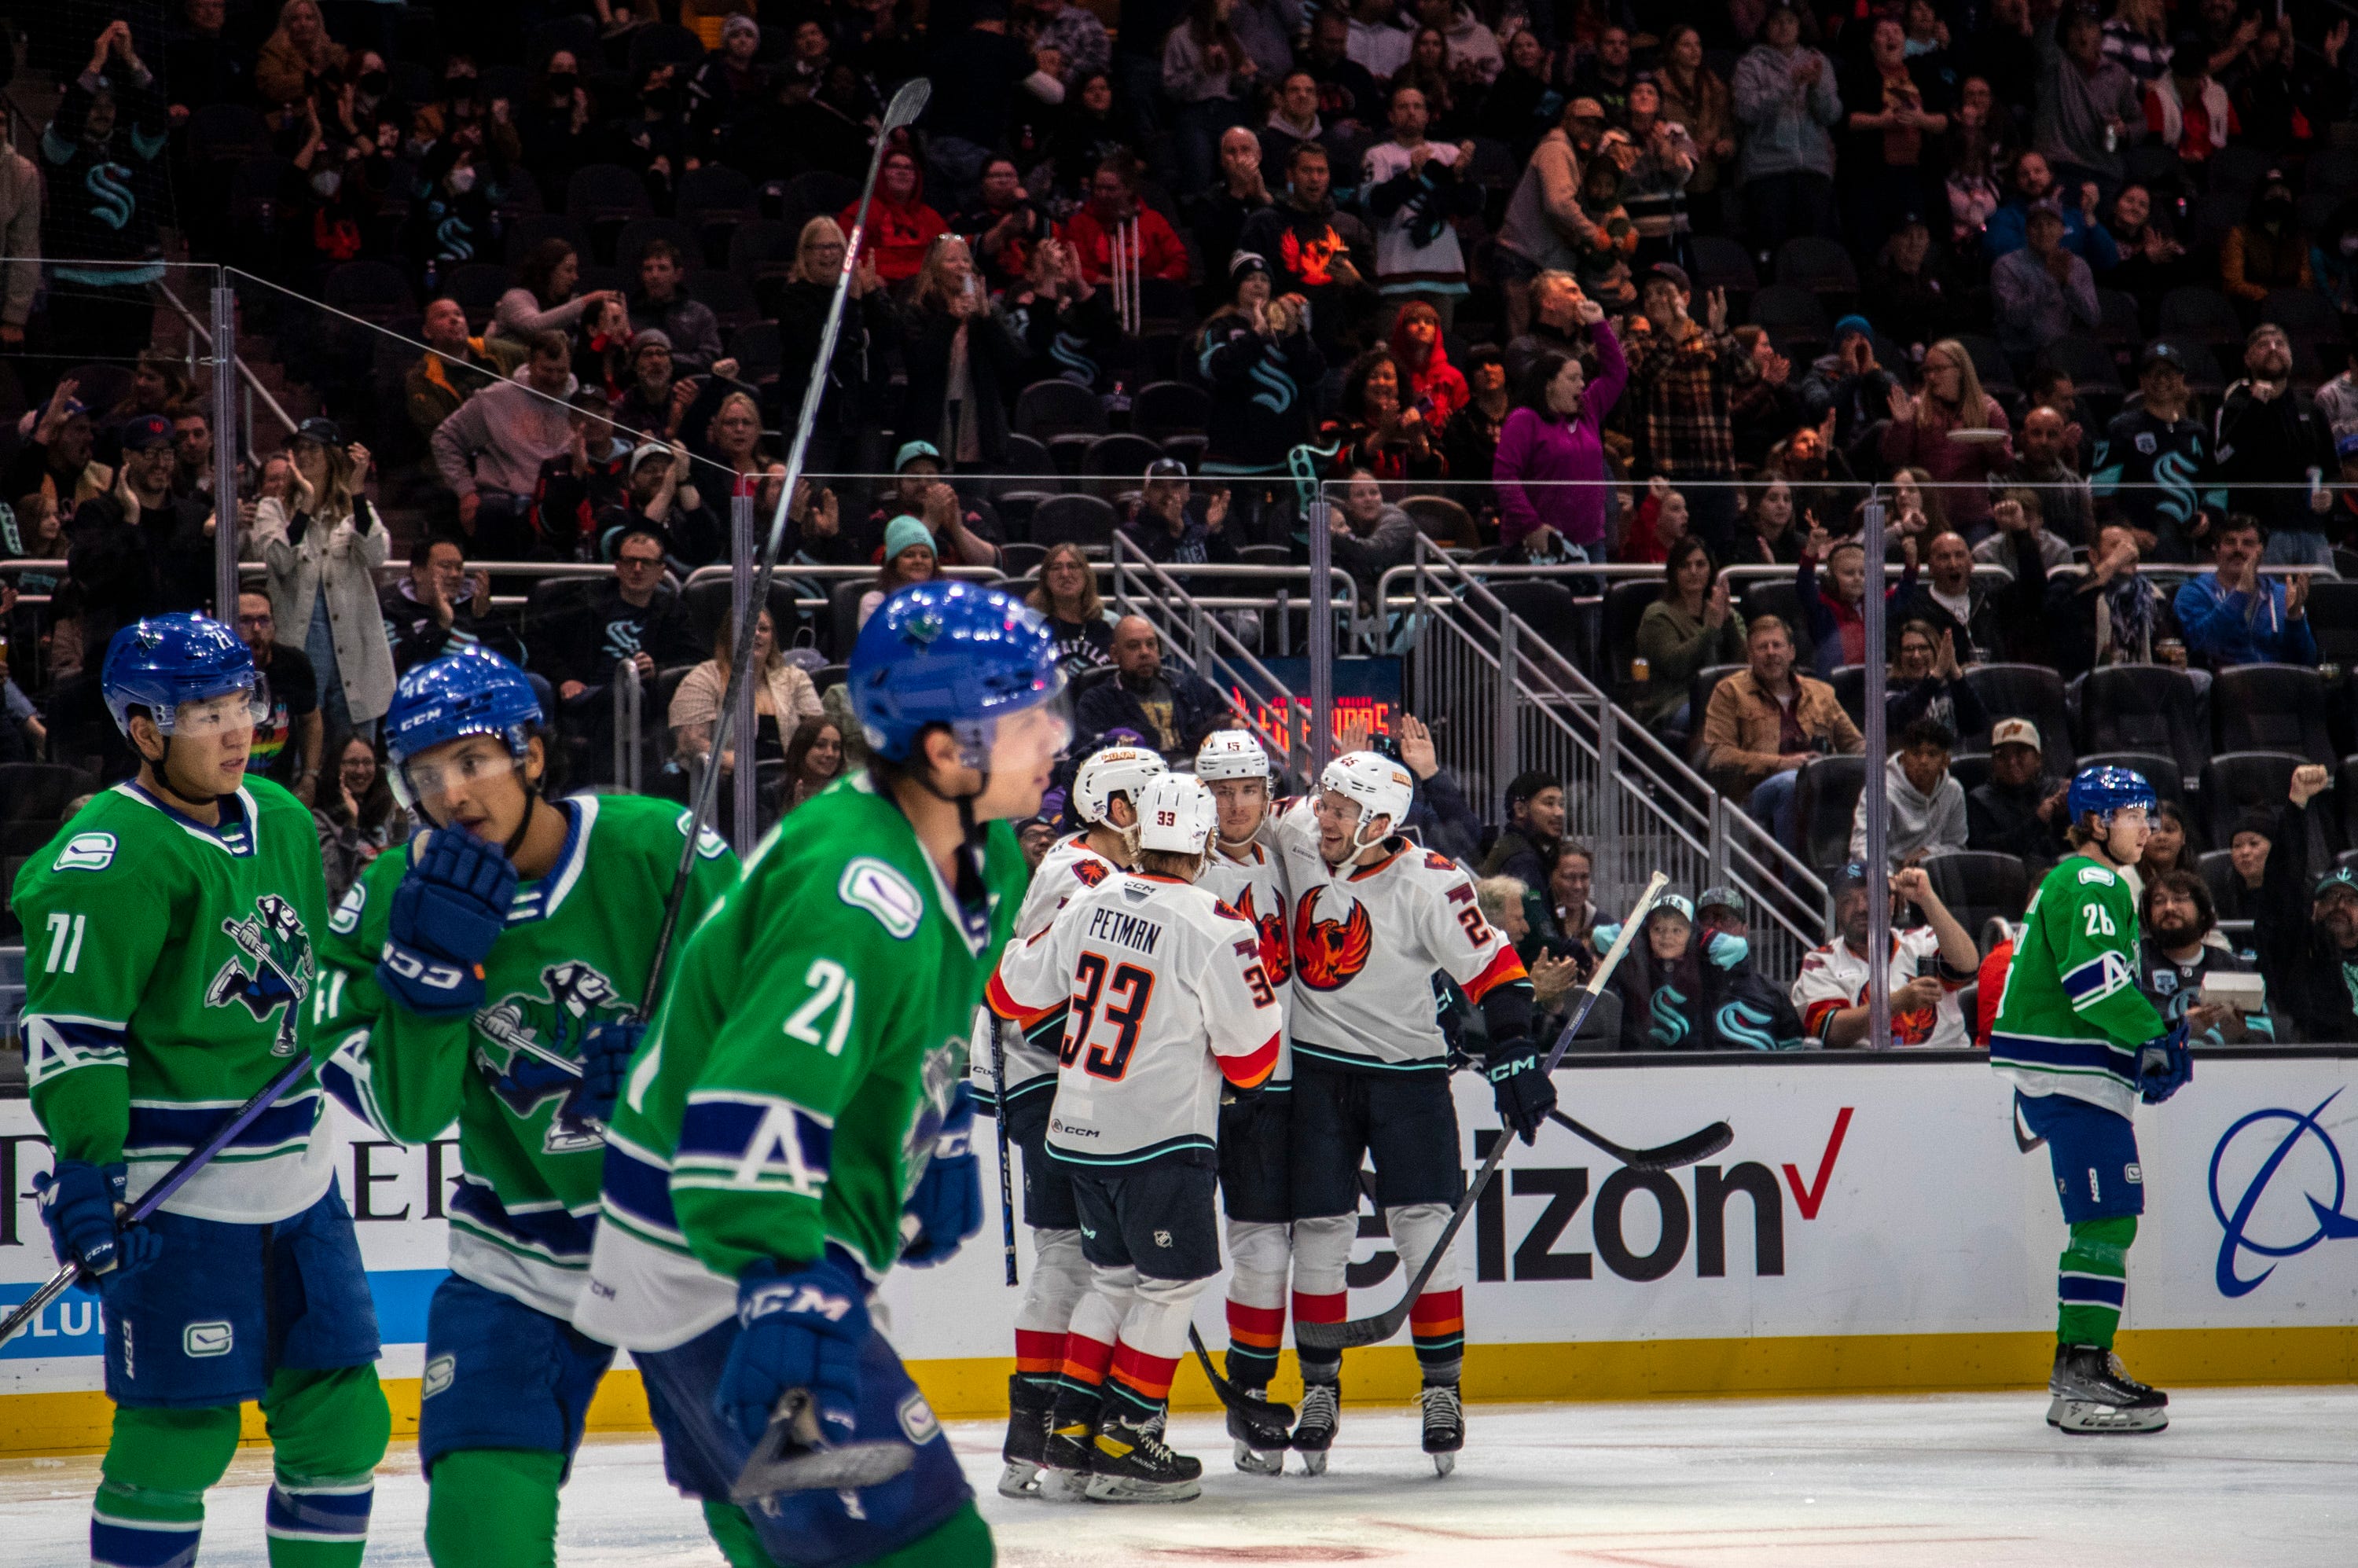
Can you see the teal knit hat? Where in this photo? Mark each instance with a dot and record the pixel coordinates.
(904, 531)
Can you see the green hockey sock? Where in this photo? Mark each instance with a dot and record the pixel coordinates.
(150, 1505)
(327, 1430)
(495, 1506)
(733, 1533)
(963, 1541)
(2092, 1281)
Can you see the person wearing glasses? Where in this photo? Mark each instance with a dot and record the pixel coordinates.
(286, 744)
(634, 617)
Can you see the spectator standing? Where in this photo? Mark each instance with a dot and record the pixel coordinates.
(689, 327)
(1526, 847)
(2185, 109)
(20, 237)
(728, 90)
(1067, 596)
(1433, 385)
(1662, 159)
(2268, 250)
(299, 58)
(1415, 189)
(963, 360)
(1076, 34)
(1550, 470)
(322, 544)
(192, 452)
(2114, 615)
(1913, 290)
(1209, 78)
(1607, 237)
(1542, 224)
(978, 72)
(1379, 429)
(285, 744)
(2270, 436)
(901, 227)
(1895, 112)
(491, 451)
(870, 329)
(2237, 617)
(104, 152)
(1166, 531)
(544, 300)
(1308, 252)
(1954, 431)
(1470, 443)
(1695, 99)
(2137, 36)
(1684, 373)
(784, 700)
(1171, 712)
(1926, 805)
(1376, 42)
(1765, 723)
(1554, 300)
(203, 64)
(1263, 368)
(1785, 97)
(1927, 967)
(440, 609)
(2032, 185)
(2154, 465)
(556, 122)
(1767, 404)
(2087, 107)
(2306, 931)
(1222, 212)
(2042, 292)
(2175, 955)
(2019, 811)
(1348, 93)
(1293, 119)
(456, 367)
(137, 550)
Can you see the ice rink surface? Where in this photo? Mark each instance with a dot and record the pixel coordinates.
(2243, 1476)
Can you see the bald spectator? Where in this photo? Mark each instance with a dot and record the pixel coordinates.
(1169, 710)
(459, 366)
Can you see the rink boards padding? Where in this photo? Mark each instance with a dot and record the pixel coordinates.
(1874, 1227)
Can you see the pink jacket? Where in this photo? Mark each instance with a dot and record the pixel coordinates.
(1536, 446)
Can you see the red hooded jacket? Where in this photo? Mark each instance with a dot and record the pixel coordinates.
(1443, 383)
(898, 233)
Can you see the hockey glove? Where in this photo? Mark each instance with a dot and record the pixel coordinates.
(804, 1328)
(1522, 1093)
(606, 1052)
(948, 1203)
(78, 1203)
(449, 909)
(2164, 1065)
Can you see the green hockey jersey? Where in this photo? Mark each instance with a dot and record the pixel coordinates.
(2070, 1019)
(799, 1070)
(167, 966)
(575, 953)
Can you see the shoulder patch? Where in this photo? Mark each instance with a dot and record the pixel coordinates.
(2098, 875)
(1089, 872)
(709, 843)
(86, 852)
(869, 884)
(1226, 910)
(347, 918)
(1436, 861)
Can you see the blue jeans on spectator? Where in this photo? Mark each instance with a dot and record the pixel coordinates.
(1774, 807)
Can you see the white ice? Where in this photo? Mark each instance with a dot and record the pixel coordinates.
(2243, 1476)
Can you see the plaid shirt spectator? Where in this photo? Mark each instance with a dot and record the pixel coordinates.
(1683, 387)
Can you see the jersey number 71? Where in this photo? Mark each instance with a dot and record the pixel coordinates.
(1137, 988)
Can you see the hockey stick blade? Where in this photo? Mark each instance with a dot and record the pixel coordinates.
(790, 1457)
(1361, 1331)
(1669, 1157)
(1240, 1405)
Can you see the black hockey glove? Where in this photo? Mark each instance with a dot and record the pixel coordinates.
(1522, 1093)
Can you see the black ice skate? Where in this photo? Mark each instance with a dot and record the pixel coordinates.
(1065, 1458)
(1444, 1425)
(1131, 1464)
(1313, 1431)
(2094, 1395)
(1261, 1449)
(1025, 1450)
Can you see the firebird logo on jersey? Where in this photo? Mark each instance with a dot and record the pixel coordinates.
(1327, 952)
(1090, 871)
(274, 937)
(1276, 958)
(577, 997)
(1309, 259)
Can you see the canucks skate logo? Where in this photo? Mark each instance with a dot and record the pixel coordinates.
(272, 939)
(1328, 953)
(1276, 961)
(535, 1029)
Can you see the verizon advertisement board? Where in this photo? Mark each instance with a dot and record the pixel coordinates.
(1859, 1197)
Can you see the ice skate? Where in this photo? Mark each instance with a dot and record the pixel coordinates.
(1064, 1458)
(1313, 1431)
(1028, 1407)
(1131, 1464)
(1261, 1450)
(1444, 1425)
(2094, 1395)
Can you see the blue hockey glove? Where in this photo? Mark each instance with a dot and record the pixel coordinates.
(606, 1052)
(948, 1203)
(2164, 1065)
(804, 1329)
(1522, 1093)
(449, 909)
(77, 1202)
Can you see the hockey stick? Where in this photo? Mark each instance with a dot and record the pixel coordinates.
(1241, 1406)
(1669, 1157)
(906, 105)
(1384, 1324)
(792, 1457)
(1006, 1181)
(161, 1192)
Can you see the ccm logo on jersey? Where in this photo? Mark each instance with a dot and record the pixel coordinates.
(86, 852)
(872, 885)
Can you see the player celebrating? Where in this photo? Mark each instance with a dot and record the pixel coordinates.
(1256, 1188)
(178, 912)
(801, 1092)
(2083, 1045)
(487, 976)
(1105, 795)
(1165, 996)
(1374, 917)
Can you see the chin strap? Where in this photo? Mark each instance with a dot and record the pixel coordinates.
(974, 898)
(532, 803)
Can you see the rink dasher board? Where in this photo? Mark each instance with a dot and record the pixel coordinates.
(1874, 1226)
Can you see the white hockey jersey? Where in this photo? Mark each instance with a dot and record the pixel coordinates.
(1255, 887)
(1834, 977)
(1365, 942)
(1164, 996)
(1070, 867)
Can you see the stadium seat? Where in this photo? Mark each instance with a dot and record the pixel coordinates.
(727, 296)
(1850, 689)
(2333, 618)
(528, 232)
(2237, 169)
(843, 616)
(631, 243)
(1027, 466)
(1784, 311)
(2204, 314)
(1548, 609)
(1706, 681)
(1977, 884)
(1083, 520)
(2271, 707)
(2203, 375)
(2217, 870)
(1118, 462)
(2120, 326)
(1624, 605)
(818, 193)
(2333, 171)
(1776, 597)
(1819, 265)
(659, 44)
(2236, 781)
(2160, 771)
(477, 287)
(714, 201)
(1601, 1030)
(227, 133)
(2305, 314)
(1990, 362)
(606, 193)
(1020, 559)
(705, 605)
(1443, 521)
(1165, 408)
(2152, 165)
(1065, 414)
(577, 36)
(759, 353)
(1722, 262)
(2024, 691)
(2142, 707)
(2345, 785)
(1826, 798)
(2090, 364)
(372, 290)
(37, 792)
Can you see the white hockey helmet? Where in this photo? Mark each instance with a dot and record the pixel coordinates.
(1116, 770)
(1175, 813)
(1382, 787)
(1231, 754)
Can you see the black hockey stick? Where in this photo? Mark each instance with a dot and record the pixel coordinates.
(1241, 1406)
(1669, 1157)
(156, 1196)
(1006, 1181)
(791, 1457)
(1384, 1324)
(906, 105)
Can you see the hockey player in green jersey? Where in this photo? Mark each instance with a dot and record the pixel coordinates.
(487, 975)
(168, 979)
(2081, 1046)
(797, 1121)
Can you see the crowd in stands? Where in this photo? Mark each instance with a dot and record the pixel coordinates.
(2059, 297)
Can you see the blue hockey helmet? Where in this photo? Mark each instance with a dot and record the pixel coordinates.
(2100, 792)
(950, 653)
(472, 692)
(163, 661)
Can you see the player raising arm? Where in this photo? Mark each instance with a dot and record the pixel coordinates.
(802, 1090)
(487, 974)
(168, 979)
(2081, 1046)
(1166, 997)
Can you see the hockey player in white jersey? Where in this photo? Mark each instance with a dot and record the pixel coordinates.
(1243, 868)
(1166, 997)
(1374, 917)
(1105, 798)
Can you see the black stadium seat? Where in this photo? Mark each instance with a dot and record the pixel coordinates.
(1083, 520)
(2271, 707)
(1625, 606)
(2144, 707)
(1826, 797)
(1977, 884)
(2024, 691)
(1699, 690)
